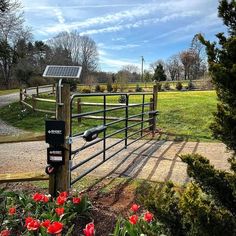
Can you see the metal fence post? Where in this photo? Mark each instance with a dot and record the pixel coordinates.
(155, 94)
(79, 109)
(59, 181)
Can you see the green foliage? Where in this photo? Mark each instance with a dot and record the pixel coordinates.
(190, 85)
(166, 86)
(221, 185)
(40, 207)
(109, 87)
(159, 74)
(122, 99)
(159, 86)
(97, 88)
(86, 90)
(188, 211)
(163, 202)
(179, 86)
(138, 88)
(222, 65)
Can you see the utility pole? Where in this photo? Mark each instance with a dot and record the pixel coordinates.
(142, 60)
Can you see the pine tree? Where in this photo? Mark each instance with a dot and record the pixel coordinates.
(159, 74)
(222, 66)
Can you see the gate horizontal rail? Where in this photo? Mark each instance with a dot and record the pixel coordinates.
(108, 107)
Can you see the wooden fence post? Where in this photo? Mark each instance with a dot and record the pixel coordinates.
(79, 109)
(53, 89)
(21, 95)
(59, 181)
(33, 102)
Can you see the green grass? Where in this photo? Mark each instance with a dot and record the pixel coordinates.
(8, 91)
(183, 115)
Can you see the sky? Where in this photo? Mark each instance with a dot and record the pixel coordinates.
(126, 30)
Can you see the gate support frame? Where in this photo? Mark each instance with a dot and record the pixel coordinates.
(60, 181)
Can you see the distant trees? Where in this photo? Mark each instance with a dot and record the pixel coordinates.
(82, 50)
(11, 32)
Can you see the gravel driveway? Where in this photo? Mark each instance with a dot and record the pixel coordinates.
(151, 160)
(6, 129)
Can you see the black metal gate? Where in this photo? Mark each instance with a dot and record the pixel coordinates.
(144, 120)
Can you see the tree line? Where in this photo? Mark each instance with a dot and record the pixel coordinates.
(23, 59)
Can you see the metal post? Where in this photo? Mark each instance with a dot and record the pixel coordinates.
(60, 180)
(142, 114)
(155, 95)
(79, 109)
(104, 132)
(126, 119)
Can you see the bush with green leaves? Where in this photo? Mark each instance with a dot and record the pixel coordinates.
(190, 85)
(86, 90)
(122, 99)
(167, 86)
(179, 86)
(109, 87)
(97, 88)
(138, 88)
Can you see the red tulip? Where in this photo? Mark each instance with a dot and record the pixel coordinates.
(59, 211)
(33, 225)
(134, 208)
(63, 194)
(28, 220)
(38, 197)
(46, 223)
(148, 216)
(55, 228)
(76, 200)
(133, 219)
(12, 211)
(45, 199)
(61, 200)
(89, 230)
(5, 232)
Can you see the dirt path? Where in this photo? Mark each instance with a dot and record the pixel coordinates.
(150, 160)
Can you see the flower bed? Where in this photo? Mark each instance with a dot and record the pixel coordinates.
(40, 214)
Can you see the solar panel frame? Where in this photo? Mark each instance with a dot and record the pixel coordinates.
(58, 71)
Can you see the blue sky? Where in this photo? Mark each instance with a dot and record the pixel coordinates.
(126, 30)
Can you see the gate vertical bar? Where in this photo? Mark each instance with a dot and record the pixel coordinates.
(59, 181)
(142, 114)
(155, 95)
(104, 123)
(126, 119)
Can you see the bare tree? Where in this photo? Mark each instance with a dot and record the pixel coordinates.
(174, 67)
(200, 65)
(132, 72)
(188, 59)
(11, 31)
(88, 56)
(82, 49)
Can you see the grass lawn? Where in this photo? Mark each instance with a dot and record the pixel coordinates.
(184, 115)
(8, 91)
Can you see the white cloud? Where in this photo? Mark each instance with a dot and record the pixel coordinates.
(59, 15)
(115, 64)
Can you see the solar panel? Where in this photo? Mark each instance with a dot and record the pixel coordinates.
(54, 71)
